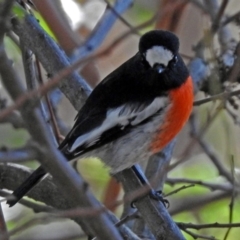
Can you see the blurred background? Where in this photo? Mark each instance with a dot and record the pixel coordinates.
(198, 204)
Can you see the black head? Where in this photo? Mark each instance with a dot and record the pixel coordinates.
(159, 49)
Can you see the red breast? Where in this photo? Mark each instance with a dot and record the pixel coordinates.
(176, 116)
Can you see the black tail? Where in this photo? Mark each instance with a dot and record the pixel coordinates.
(36, 176)
(27, 185)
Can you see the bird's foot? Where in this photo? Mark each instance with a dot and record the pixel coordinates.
(156, 195)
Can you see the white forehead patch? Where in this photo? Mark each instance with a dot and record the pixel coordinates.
(158, 54)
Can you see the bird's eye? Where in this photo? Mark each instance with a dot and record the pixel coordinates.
(173, 61)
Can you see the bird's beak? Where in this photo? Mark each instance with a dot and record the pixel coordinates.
(160, 68)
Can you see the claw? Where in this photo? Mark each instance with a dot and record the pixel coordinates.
(132, 204)
(156, 195)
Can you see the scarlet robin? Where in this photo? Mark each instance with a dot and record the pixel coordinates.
(134, 112)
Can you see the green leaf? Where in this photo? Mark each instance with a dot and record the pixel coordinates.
(19, 11)
(44, 25)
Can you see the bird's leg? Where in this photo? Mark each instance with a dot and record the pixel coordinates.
(156, 195)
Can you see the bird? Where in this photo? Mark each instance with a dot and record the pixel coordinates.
(133, 113)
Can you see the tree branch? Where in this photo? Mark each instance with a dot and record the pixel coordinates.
(53, 160)
(153, 212)
(18, 155)
(47, 192)
(102, 29)
(52, 58)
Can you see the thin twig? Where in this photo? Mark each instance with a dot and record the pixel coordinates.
(230, 19)
(101, 30)
(217, 20)
(220, 96)
(231, 204)
(209, 151)
(178, 190)
(207, 225)
(127, 218)
(50, 109)
(212, 186)
(132, 28)
(196, 236)
(193, 203)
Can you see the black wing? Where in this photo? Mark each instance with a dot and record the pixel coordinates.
(110, 125)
